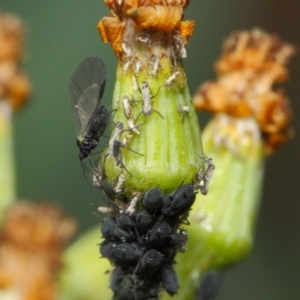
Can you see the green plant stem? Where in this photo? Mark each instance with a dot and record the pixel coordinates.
(85, 276)
(7, 171)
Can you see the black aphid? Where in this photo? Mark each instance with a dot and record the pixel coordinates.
(124, 235)
(142, 245)
(106, 248)
(179, 201)
(124, 221)
(86, 89)
(126, 253)
(160, 234)
(108, 227)
(150, 263)
(116, 278)
(153, 199)
(209, 286)
(169, 279)
(126, 289)
(144, 221)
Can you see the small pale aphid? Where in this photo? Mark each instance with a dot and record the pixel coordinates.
(126, 106)
(119, 188)
(127, 139)
(183, 110)
(114, 146)
(131, 209)
(144, 37)
(127, 50)
(155, 66)
(97, 177)
(115, 137)
(170, 79)
(147, 97)
(138, 66)
(105, 209)
(204, 176)
(127, 66)
(133, 126)
(135, 85)
(179, 45)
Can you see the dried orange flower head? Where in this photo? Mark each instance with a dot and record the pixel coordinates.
(32, 239)
(14, 85)
(251, 64)
(143, 18)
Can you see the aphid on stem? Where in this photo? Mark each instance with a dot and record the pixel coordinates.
(170, 79)
(183, 109)
(147, 97)
(204, 176)
(114, 146)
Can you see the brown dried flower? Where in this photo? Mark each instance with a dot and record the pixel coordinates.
(32, 240)
(143, 16)
(14, 85)
(251, 64)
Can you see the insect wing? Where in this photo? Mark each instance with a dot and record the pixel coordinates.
(86, 89)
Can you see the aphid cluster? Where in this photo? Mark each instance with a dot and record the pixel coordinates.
(142, 245)
(142, 233)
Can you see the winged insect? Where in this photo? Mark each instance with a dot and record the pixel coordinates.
(86, 90)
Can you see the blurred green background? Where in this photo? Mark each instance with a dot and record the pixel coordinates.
(60, 33)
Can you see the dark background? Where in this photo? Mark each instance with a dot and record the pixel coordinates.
(62, 32)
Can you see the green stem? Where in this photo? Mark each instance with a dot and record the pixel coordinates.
(7, 171)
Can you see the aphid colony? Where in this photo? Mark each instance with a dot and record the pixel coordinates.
(86, 89)
(142, 233)
(142, 246)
